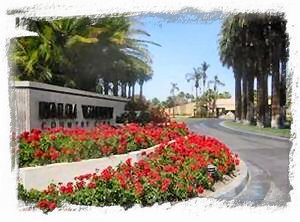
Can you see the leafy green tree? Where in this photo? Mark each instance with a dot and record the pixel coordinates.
(224, 95)
(155, 102)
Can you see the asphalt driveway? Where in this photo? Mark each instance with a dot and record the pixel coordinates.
(267, 160)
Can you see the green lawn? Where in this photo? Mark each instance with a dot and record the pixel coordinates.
(267, 131)
(185, 119)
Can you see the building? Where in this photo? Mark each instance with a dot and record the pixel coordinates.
(223, 106)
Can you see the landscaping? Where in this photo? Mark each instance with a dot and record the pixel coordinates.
(67, 145)
(172, 172)
(268, 131)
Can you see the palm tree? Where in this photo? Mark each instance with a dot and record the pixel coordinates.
(142, 79)
(254, 46)
(204, 67)
(82, 52)
(196, 77)
(43, 57)
(279, 53)
(174, 87)
(216, 82)
(231, 54)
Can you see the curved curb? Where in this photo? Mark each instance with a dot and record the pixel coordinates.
(234, 187)
(256, 134)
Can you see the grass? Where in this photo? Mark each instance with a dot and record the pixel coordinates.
(267, 131)
(186, 119)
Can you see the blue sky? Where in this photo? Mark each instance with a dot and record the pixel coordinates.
(184, 46)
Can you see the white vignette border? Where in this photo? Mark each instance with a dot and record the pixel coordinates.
(206, 209)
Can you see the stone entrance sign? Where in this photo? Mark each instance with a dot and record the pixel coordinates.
(39, 105)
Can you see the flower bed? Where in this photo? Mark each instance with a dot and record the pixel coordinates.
(172, 172)
(66, 145)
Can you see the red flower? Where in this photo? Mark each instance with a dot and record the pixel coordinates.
(92, 185)
(128, 161)
(46, 205)
(52, 137)
(43, 203)
(121, 180)
(170, 169)
(38, 153)
(200, 189)
(138, 187)
(67, 189)
(165, 184)
(80, 184)
(106, 174)
(53, 153)
(52, 206)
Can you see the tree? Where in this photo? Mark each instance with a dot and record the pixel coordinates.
(204, 67)
(224, 95)
(196, 77)
(255, 46)
(216, 82)
(174, 88)
(43, 57)
(189, 97)
(85, 53)
(230, 51)
(155, 102)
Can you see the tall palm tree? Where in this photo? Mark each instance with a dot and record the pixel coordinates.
(204, 67)
(42, 57)
(174, 88)
(255, 46)
(278, 39)
(196, 77)
(216, 82)
(231, 55)
(83, 51)
(142, 79)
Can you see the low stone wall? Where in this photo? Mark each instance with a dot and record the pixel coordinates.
(39, 105)
(41, 176)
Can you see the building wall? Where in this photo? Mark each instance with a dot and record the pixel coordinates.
(188, 109)
(182, 110)
(28, 95)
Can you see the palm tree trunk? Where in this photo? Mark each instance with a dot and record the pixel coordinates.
(106, 87)
(275, 123)
(244, 97)
(238, 98)
(129, 90)
(283, 93)
(267, 119)
(260, 110)
(133, 89)
(141, 90)
(215, 100)
(123, 89)
(250, 100)
(115, 88)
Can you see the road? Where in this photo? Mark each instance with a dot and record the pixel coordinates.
(267, 160)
